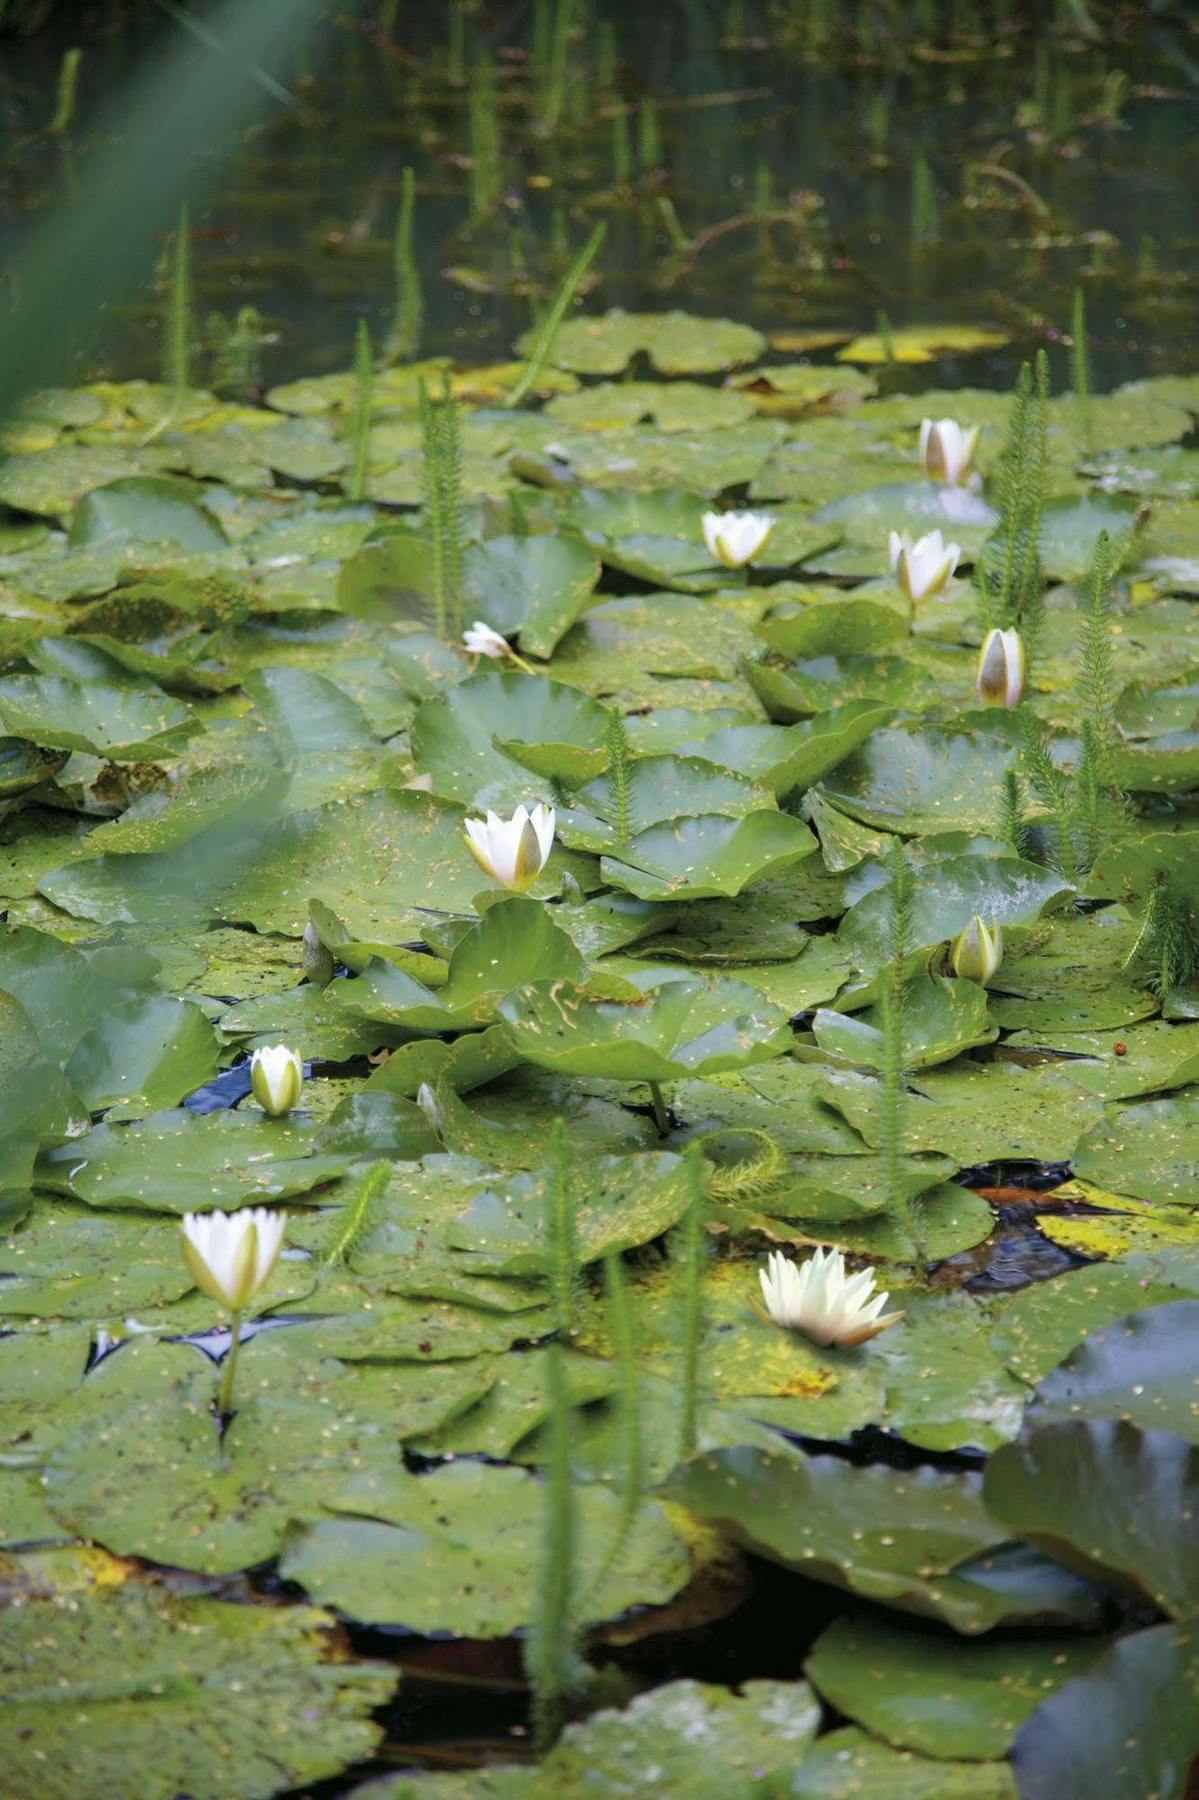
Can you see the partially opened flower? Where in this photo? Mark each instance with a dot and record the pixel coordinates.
(231, 1255)
(481, 640)
(735, 538)
(924, 566)
(947, 451)
(513, 851)
(821, 1302)
(978, 952)
(276, 1079)
(1000, 673)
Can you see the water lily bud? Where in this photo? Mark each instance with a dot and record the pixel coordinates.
(946, 451)
(818, 1300)
(735, 538)
(922, 567)
(481, 640)
(1000, 674)
(315, 958)
(978, 952)
(230, 1255)
(276, 1079)
(513, 851)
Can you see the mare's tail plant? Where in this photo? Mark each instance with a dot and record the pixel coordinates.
(619, 770)
(632, 1474)
(404, 337)
(483, 133)
(543, 343)
(1011, 580)
(1053, 790)
(1080, 367)
(177, 340)
(1097, 792)
(1013, 826)
(356, 1217)
(1167, 945)
(903, 1210)
(553, 57)
(692, 1247)
(552, 1660)
(360, 413)
(442, 477)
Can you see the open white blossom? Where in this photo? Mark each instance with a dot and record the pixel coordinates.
(230, 1255)
(922, 567)
(481, 640)
(513, 851)
(818, 1299)
(1000, 673)
(947, 450)
(276, 1079)
(735, 538)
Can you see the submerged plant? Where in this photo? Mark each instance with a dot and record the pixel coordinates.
(616, 739)
(692, 1247)
(1167, 945)
(231, 1257)
(404, 337)
(354, 1218)
(359, 423)
(1080, 366)
(735, 538)
(276, 1079)
(441, 473)
(513, 851)
(177, 338)
(819, 1300)
(558, 308)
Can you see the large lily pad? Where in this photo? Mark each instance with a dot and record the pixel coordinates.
(697, 858)
(467, 740)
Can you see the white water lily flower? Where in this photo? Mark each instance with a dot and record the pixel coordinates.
(922, 568)
(947, 451)
(818, 1300)
(481, 640)
(978, 952)
(230, 1255)
(276, 1079)
(1000, 672)
(735, 538)
(513, 851)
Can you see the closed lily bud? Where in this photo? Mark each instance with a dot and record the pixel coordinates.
(947, 451)
(276, 1079)
(818, 1299)
(513, 851)
(924, 566)
(315, 958)
(1000, 674)
(735, 538)
(978, 952)
(481, 640)
(231, 1255)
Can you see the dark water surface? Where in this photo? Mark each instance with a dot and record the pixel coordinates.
(813, 166)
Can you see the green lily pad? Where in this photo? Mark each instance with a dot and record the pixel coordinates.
(696, 858)
(941, 1018)
(1109, 1499)
(118, 1676)
(677, 343)
(1150, 1151)
(934, 1694)
(948, 890)
(1141, 1368)
(921, 1540)
(121, 724)
(682, 1025)
(1129, 1725)
(787, 757)
(143, 1055)
(176, 1162)
(531, 587)
(922, 344)
(975, 1112)
(457, 1550)
(467, 740)
(925, 781)
(836, 624)
(657, 788)
(851, 1765)
(139, 508)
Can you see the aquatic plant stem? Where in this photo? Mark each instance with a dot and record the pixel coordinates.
(692, 1234)
(559, 306)
(224, 1404)
(661, 1117)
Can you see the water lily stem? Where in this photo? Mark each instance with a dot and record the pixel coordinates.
(520, 662)
(659, 1106)
(229, 1368)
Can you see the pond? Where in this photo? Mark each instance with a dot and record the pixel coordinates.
(599, 993)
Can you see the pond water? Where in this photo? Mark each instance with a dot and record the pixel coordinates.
(833, 940)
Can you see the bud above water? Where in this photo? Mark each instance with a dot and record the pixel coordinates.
(231, 1255)
(947, 451)
(276, 1079)
(978, 952)
(316, 958)
(735, 538)
(924, 566)
(481, 640)
(513, 851)
(999, 678)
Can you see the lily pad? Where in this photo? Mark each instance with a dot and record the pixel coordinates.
(695, 858)
(534, 587)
